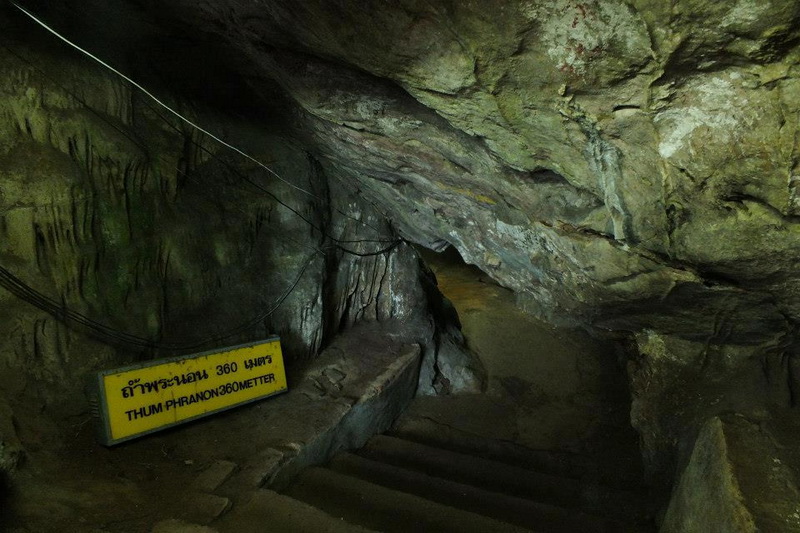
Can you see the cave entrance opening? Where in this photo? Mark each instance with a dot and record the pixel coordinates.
(547, 387)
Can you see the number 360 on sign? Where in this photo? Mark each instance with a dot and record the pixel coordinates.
(136, 400)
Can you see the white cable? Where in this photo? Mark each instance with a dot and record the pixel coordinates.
(156, 100)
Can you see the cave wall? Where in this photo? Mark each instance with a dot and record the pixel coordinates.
(114, 209)
(627, 165)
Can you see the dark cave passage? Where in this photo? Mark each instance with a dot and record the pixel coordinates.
(547, 445)
(183, 174)
(563, 388)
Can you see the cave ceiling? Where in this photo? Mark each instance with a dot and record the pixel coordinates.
(630, 165)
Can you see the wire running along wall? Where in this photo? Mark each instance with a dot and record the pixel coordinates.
(61, 312)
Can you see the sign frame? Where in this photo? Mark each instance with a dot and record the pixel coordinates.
(99, 399)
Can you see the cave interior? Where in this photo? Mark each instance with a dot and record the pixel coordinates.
(532, 264)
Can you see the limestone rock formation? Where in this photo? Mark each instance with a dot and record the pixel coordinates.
(127, 234)
(723, 487)
(630, 166)
(627, 165)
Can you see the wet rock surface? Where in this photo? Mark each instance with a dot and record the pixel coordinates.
(127, 235)
(627, 166)
(547, 388)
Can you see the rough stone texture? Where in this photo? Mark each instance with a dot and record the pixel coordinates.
(122, 212)
(283, 514)
(766, 465)
(738, 479)
(372, 396)
(629, 165)
(355, 388)
(707, 497)
(678, 384)
(214, 476)
(203, 508)
(449, 366)
(10, 447)
(117, 210)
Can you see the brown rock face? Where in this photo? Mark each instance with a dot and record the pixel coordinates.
(127, 234)
(632, 166)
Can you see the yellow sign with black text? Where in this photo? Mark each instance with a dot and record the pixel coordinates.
(137, 400)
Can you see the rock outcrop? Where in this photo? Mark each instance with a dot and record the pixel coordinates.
(127, 234)
(627, 165)
(740, 478)
(631, 166)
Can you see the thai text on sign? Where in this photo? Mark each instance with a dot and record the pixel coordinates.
(139, 399)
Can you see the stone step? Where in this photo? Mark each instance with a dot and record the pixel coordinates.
(511, 509)
(496, 476)
(268, 512)
(383, 509)
(559, 463)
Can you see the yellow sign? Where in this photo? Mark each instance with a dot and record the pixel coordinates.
(140, 399)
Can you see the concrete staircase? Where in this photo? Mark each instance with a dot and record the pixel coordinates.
(410, 482)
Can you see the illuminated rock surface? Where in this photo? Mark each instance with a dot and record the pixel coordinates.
(629, 167)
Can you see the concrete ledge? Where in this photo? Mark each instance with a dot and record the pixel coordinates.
(378, 397)
(355, 389)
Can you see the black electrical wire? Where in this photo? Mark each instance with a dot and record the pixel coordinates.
(231, 168)
(337, 242)
(158, 101)
(59, 310)
(151, 95)
(64, 314)
(126, 133)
